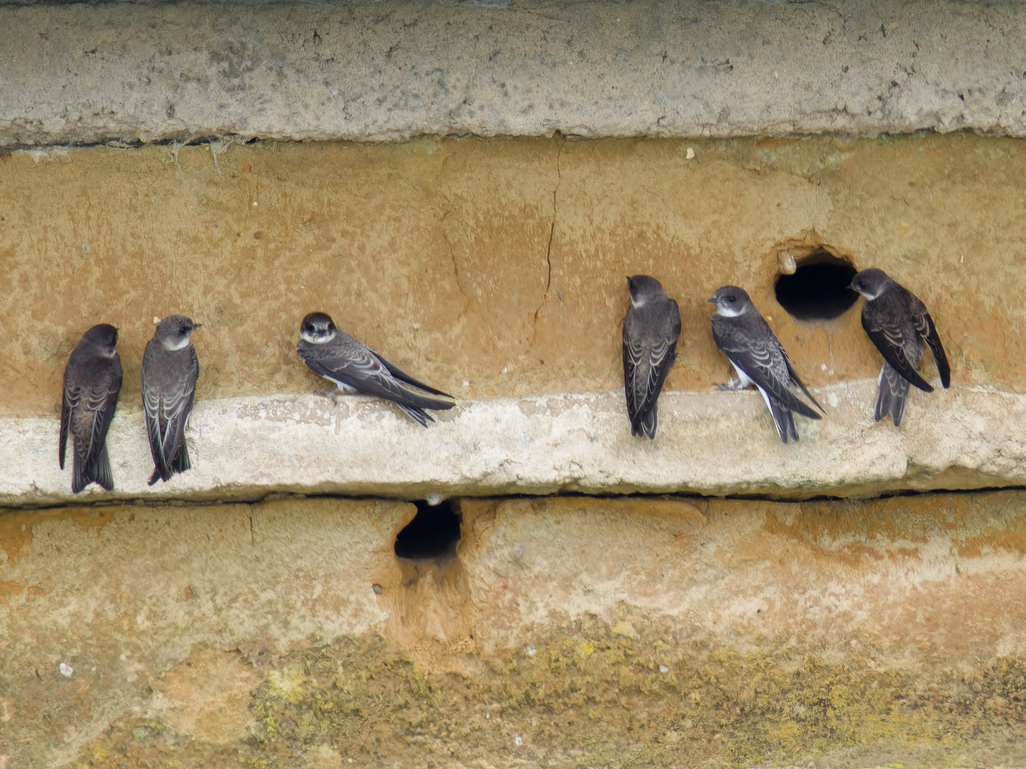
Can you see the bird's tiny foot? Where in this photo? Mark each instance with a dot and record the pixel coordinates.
(329, 395)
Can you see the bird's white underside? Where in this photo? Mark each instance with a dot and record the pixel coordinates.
(319, 339)
(346, 389)
(168, 345)
(746, 381)
(868, 295)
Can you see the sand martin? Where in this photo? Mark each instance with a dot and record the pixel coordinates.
(354, 367)
(899, 325)
(758, 358)
(92, 383)
(169, 372)
(650, 331)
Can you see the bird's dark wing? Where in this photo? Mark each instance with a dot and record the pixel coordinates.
(398, 373)
(924, 325)
(783, 420)
(892, 344)
(644, 369)
(66, 408)
(794, 376)
(764, 362)
(166, 414)
(96, 405)
(360, 367)
(893, 395)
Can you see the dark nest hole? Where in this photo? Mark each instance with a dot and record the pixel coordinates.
(431, 535)
(818, 290)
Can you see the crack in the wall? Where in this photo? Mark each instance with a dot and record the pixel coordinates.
(552, 231)
(456, 268)
(694, 498)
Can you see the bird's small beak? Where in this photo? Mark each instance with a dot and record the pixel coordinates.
(196, 326)
(711, 301)
(851, 287)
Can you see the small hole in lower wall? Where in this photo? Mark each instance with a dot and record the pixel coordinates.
(818, 289)
(432, 534)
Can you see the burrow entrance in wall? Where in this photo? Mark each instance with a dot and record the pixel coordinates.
(432, 535)
(813, 281)
(433, 603)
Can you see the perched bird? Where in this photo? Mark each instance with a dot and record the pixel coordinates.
(354, 367)
(92, 383)
(899, 325)
(758, 358)
(169, 372)
(650, 331)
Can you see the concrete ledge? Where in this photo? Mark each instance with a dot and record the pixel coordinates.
(708, 443)
(391, 70)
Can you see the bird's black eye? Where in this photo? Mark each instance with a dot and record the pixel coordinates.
(732, 299)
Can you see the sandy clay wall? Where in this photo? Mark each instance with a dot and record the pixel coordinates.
(662, 630)
(571, 596)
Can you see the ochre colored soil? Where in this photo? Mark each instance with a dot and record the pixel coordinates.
(497, 268)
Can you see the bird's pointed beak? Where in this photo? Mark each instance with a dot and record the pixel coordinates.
(711, 301)
(196, 326)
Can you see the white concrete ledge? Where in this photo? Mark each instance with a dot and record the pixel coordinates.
(391, 70)
(709, 443)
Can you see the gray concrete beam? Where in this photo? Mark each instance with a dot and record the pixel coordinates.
(387, 71)
(709, 443)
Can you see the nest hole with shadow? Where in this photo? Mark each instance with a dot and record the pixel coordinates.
(818, 289)
(431, 535)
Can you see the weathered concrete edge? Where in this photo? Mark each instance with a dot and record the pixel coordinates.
(82, 74)
(708, 444)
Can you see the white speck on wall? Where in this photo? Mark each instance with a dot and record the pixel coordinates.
(530, 650)
(663, 669)
(690, 155)
(66, 670)
(518, 740)
(434, 498)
